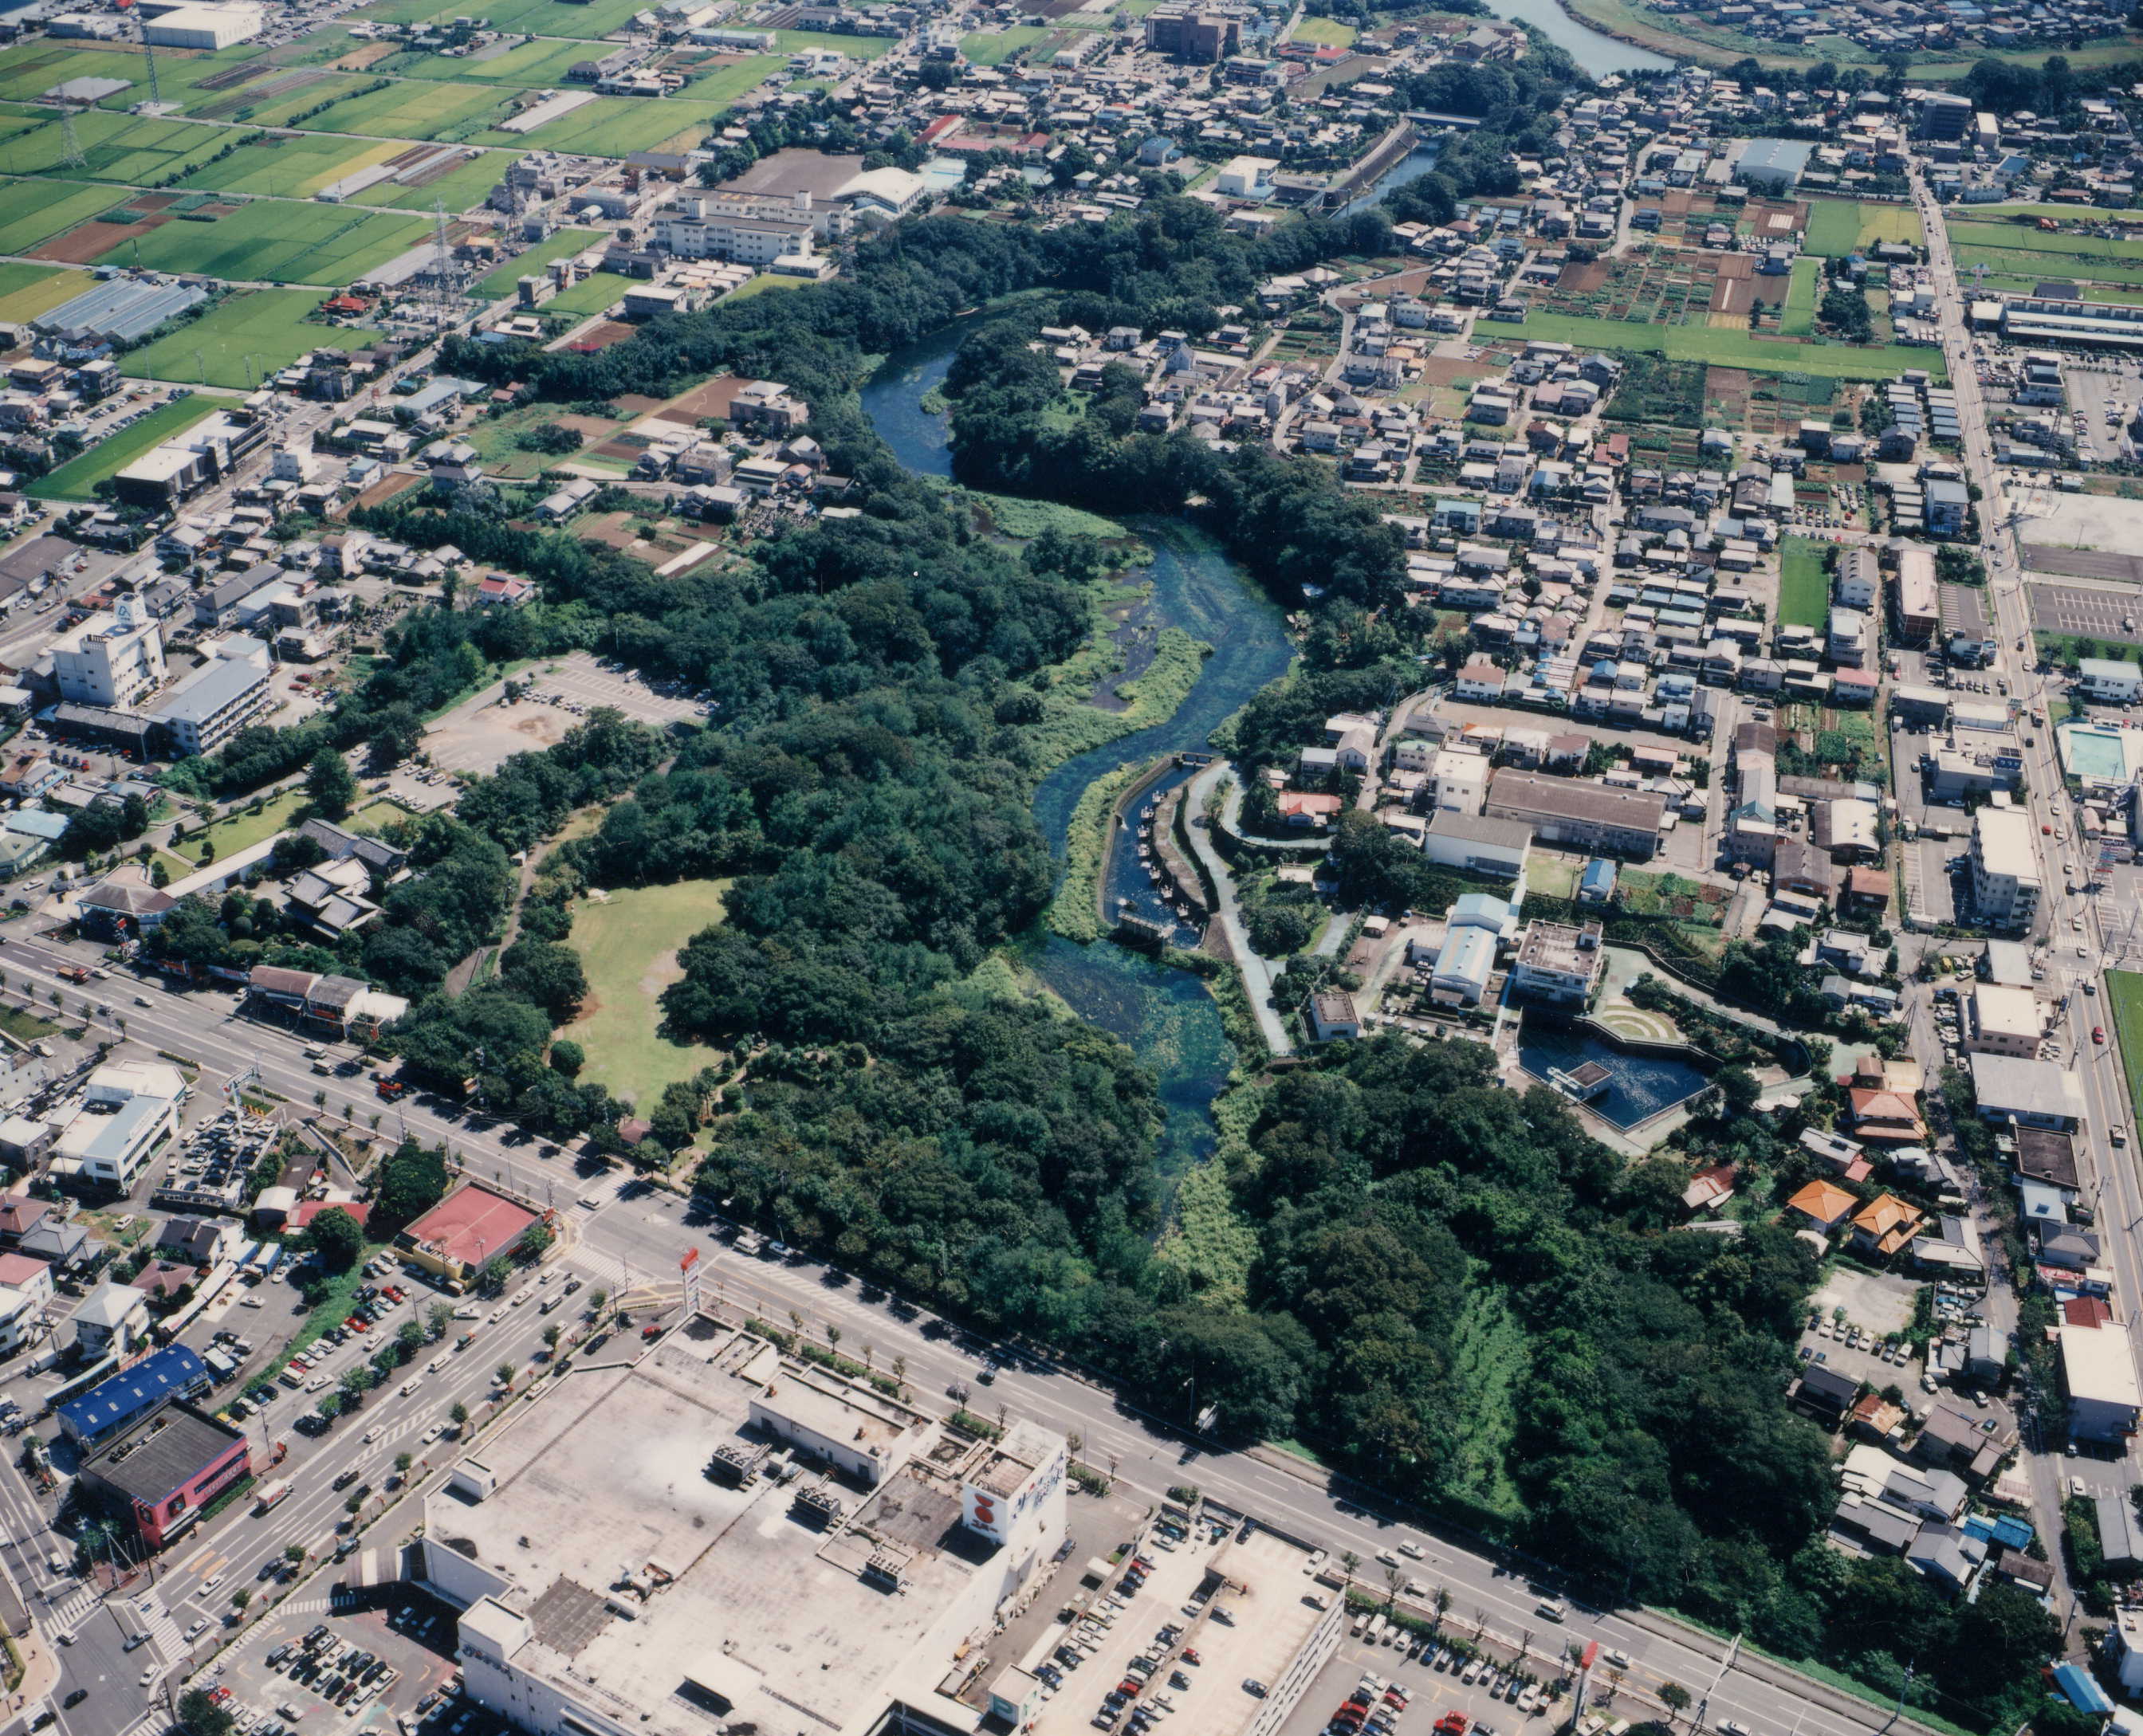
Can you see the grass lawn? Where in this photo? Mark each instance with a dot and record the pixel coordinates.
(994, 47)
(2040, 267)
(497, 439)
(2124, 991)
(1724, 348)
(628, 944)
(279, 242)
(26, 291)
(856, 47)
(242, 830)
(1326, 32)
(1804, 586)
(241, 340)
(32, 212)
(1797, 318)
(77, 478)
(760, 285)
(531, 263)
(592, 294)
(381, 811)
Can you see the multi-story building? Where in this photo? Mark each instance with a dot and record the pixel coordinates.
(2006, 886)
(162, 1474)
(232, 690)
(1579, 815)
(111, 660)
(1558, 963)
(750, 228)
(1190, 34)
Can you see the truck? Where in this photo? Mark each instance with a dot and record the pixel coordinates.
(73, 972)
(271, 1496)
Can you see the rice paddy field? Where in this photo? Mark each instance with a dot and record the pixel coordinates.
(290, 166)
(1798, 320)
(33, 211)
(856, 47)
(140, 152)
(26, 291)
(531, 262)
(1838, 226)
(518, 17)
(77, 479)
(994, 47)
(28, 70)
(1728, 348)
(276, 241)
(2027, 238)
(241, 340)
(467, 184)
(416, 109)
(539, 63)
(617, 125)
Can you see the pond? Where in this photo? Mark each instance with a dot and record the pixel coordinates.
(1637, 1086)
(1165, 1014)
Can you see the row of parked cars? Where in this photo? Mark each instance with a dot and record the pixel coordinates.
(342, 1673)
(1373, 1709)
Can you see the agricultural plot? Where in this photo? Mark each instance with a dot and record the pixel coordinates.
(616, 126)
(26, 291)
(143, 153)
(415, 110)
(994, 47)
(1838, 226)
(531, 262)
(467, 183)
(2042, 267)
(2027, 238)
(1325, 32)
(1657, 391)
(1765, 403)
(592, 294)
(30, 69)
(1798, 318)
(540, 63)
(32, 212)
(1731, 348)
(276, 241)
(279, 97)
(77, 479)
(1654, 286)
(2129, 294)
(289, 165)
(241, 340)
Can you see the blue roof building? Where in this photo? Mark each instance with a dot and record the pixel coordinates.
(174, 1372)
(1597, 884)
(2084, 1693)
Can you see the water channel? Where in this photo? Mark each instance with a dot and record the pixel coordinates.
(1594, 51)
(1165, 1014)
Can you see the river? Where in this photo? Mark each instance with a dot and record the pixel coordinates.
(1166, 1014)
(1594, 51)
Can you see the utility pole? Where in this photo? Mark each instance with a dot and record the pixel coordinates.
(71, 156)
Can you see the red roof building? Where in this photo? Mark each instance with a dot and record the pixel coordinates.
(464, 1230)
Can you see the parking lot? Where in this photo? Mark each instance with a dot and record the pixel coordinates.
(375, 1656)
(1430, 1692)
(2094, 611)
(482, 732)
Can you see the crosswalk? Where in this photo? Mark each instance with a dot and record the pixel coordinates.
(152, 1723)
(606, 1270)
(307, 1606)
(68, 1610)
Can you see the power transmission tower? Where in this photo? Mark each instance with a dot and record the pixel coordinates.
(71, 156)
(444, 265)
(149, 54)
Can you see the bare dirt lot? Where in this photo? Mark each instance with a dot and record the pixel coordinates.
(481, 733)
(713, 398)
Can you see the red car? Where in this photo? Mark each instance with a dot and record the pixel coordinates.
(389, 1089)
(2098, 1033)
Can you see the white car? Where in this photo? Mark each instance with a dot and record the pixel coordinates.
(148, 1676)
(432, 1434)
(368, 1437)
(1413, 1551)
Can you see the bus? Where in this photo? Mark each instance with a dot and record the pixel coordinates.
(271, 1496)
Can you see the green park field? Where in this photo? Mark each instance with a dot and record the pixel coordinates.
(242, 340)
(1724, 348)
(1325, 32)
(628, 944)
(77, 479)
(592, 294)
(1804, 586)
(994, 47)
(33, 211)
(278, 241)
(1797, 319)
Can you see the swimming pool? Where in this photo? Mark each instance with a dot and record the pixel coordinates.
(1639, 1086)
(2101, 755)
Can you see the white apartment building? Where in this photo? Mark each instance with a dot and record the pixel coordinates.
(2006, 886)
(233, 688)
(745, 227)
(111, 659)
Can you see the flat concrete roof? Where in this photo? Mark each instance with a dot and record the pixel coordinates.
(608, 1476)
(790, 171)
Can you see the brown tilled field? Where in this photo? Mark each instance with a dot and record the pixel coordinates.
(713, 398)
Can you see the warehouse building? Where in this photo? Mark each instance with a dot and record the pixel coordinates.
(1579, 815)
(128, 1396)
(162, 1474)
(202, 26)
(1773, 166)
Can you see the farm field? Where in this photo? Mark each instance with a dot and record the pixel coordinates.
(242, 340)
(32, 212)
(517, 17)
(26, 291)
(277, 241)
(537, 63)
(2124, 990)
(1798, 320)
(531, 263)
(289, 165)
(628, 942)
(468, 183)
(1730, 349)
(419, 109)
(29, 69)
(1838, 226)
(77, 479)
(2023, 238)
(116, 147)
(994, 47)
(856, 47)
(2040, 267)
(1804, 586)
(616, 126)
